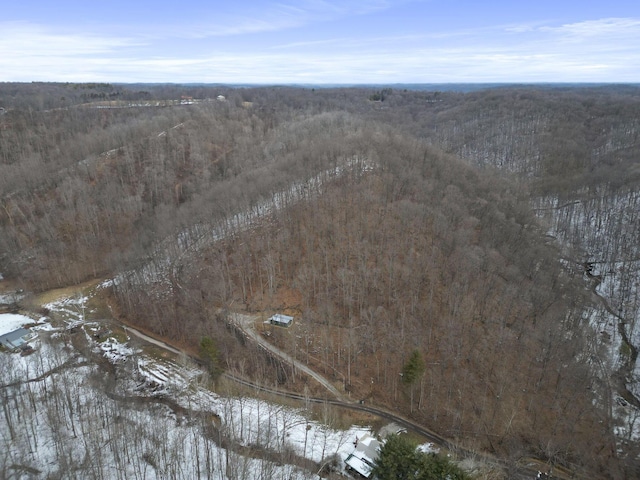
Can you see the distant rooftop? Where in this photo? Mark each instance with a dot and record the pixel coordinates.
(279, 319)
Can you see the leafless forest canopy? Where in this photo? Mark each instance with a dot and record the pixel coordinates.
(458, 225)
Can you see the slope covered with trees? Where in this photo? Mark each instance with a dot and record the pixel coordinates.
(409, 235)
(417, 253)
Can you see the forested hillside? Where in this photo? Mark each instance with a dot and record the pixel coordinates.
(467, 259)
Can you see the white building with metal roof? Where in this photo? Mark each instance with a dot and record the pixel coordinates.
(363, 458)
(281, 320)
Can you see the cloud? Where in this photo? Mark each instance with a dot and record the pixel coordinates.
(274, 17)
(594, 51)
(605, 27)
(340, 8)
(33, 52)
(25, 39)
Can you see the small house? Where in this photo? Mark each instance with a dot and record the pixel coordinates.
(362, 460)
(281, 320)
(17, 338)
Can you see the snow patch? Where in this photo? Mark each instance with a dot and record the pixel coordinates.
(106, 284)
(428, 448)
(11, 321)
(114, 351)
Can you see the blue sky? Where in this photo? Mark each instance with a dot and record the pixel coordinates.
(320, 41)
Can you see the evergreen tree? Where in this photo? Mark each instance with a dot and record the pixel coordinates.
(413, 369)
(436, 467)
(399, 460)
(210, 356)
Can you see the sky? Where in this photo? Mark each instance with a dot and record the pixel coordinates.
(320, 41)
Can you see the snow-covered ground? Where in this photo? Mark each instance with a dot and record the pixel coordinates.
(10, 322)
(151, 417)
(603, 230)
(9, 298)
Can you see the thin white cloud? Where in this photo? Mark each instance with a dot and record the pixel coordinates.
(274, 17)
(340, 8)
(311, 43)
(428, 65)
(598, 28)
(225, 26)
(377, 41)
(25, 39)
(519, 29)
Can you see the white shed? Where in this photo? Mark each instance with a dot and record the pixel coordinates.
(281, 320)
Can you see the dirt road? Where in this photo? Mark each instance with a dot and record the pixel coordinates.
(247, 324)
(148, 339)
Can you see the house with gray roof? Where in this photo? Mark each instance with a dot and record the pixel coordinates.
(16, 339)
(363, 458)
(281, 320)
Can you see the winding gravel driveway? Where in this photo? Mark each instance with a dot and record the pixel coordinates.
(246, 323)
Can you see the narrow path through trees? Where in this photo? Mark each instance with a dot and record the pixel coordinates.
(246, 323)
